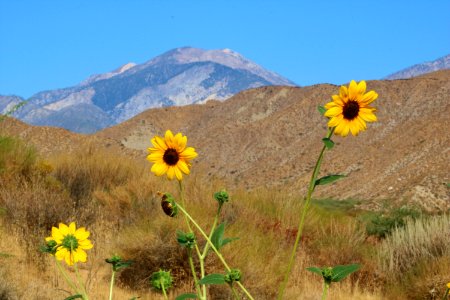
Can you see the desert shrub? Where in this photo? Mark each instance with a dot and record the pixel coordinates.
(16, 158)
(420, 240)
(383, 224)
(89, 169)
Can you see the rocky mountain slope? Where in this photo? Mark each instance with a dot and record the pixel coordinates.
(179, 77)
(442, 63)
(271, 136)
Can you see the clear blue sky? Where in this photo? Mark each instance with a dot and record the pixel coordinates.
(55, 44)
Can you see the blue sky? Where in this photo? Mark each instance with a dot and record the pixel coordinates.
(54, 44)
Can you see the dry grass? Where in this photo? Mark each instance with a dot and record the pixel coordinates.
(423, 239)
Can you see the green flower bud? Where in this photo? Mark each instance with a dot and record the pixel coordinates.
(327, 274)
(118, 263)
(186, 239)
(221, 197)
(160, 280)
(169, 205)
(232, 276)
(50, 247)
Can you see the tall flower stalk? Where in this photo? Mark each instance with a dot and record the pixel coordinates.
(348, 112)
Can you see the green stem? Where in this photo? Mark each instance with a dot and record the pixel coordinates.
(325, 290)
(66, 277)
(197, 250)
(446, 294)
(83, 289)
(191, 264)
(164, 290)
(219, 255)
(111, 285)
(205, 250)
(235, 294)
(302, 218)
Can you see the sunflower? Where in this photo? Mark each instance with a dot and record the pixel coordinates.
(349, 111)
(170, 155)
(70, 243)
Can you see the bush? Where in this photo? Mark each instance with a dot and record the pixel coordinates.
(381, 225)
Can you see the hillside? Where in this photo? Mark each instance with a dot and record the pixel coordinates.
(271, 137)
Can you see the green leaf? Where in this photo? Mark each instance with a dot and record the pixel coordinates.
(228, 240)
(186, 296)
(328, 179)
(328, 143)
(217, 236)
(315, 270)
(340, 272)
(213, 279)
(77, 296)
(321, 109)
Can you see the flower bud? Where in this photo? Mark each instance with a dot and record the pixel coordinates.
(161, 279)
(186, 239)
(221, 197)
(233, 275)
(169, 205)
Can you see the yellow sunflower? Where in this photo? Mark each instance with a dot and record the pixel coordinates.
(170, 155)
(349, 111)
(71, 243)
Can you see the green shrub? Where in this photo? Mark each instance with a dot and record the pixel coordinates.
(381, 225)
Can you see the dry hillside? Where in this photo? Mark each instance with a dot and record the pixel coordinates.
(271, 136)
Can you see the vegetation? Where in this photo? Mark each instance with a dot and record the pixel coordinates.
(117, 199)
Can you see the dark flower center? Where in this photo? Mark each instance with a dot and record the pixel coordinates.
(70, 242)
(350, 110)
(171, 157)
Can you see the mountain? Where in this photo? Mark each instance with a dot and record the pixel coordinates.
(270, 137)
(442, 63)
(179, 77)
(7, 103)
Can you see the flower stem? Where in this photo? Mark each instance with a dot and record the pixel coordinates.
(191, 264)
(219, 255)
(83, 289)
(111, 285)
(302, 218)
(325, 290)
(197, 250)
(235, 294)
(66, 277)
(164, 290)
(206, 248)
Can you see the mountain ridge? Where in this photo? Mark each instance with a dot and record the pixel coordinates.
(178, 77)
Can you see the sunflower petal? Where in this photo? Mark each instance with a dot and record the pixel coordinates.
(369, 97)
(169, 139)
(335, 121)
(330, 105)
(361, 88)
(333, 112)
(352, 90)
(72, 228)
(63, 229)
(155, 156)
(338, 100)
(188, 153)
(354, 127)
(81, 233)
(159, 143)
(367, 114)
(69, 258)
(61, 253)
(159, 168)
(182, 165)
(79, 255)
(85, 244)
(57, 235)
(178, 173)
(170, 172)
(343, 92)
